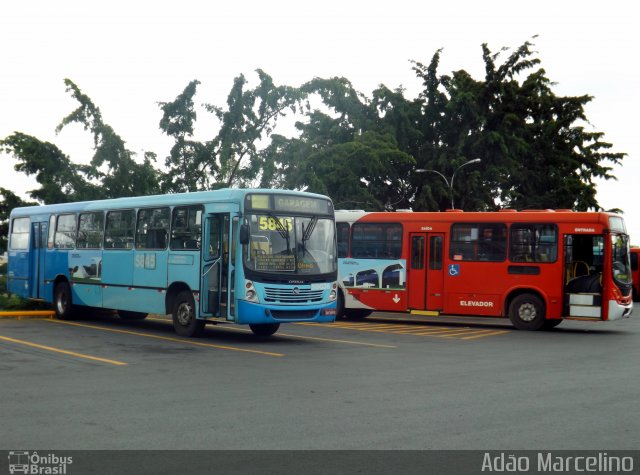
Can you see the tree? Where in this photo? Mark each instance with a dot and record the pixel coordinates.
(189, 159)
(345, 152)
(535, 147)
(232, 157)
(535, 151)
(251, 116)
(60, 180)
(113, 164)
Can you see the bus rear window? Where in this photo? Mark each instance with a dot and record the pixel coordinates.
(19, 238)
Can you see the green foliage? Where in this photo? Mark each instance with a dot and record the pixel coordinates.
(112, 164)
(60, 180)
(188, 162)
(535, 149)
(250, 116)
(10, 302)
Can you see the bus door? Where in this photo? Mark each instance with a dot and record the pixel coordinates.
(217, 267)
(36, 272)
(425, 280)
(583, 268)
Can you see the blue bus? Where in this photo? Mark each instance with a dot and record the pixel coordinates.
(256, 257)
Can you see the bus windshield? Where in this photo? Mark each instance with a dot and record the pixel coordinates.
(300, 245)
(621, 261)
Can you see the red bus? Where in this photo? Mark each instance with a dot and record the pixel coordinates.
(534, 267)
(635, 272)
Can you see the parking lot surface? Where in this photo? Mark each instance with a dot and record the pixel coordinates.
(387, 382)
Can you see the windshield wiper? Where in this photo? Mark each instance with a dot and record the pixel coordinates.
(306, 233)
(282, 231)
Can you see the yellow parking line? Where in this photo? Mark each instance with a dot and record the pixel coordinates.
(352, 326)
(488, 333)
(166, 338)
(242, 330)
(338, 341)
(418, 330)
(64, 352)
(442, 331)
(393, 328)
(396, 329)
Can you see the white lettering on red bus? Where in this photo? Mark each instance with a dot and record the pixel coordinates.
(585, 230)
(475, 303)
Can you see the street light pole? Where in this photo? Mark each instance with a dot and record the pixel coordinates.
(450, 181)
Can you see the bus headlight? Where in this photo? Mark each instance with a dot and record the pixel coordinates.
(250, 292)
(334, 292)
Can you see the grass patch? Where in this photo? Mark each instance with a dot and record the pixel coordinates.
(13, 302)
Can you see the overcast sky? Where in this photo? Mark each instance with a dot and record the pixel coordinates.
(127, 56)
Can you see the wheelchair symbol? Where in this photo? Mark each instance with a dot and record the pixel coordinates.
(454, 269)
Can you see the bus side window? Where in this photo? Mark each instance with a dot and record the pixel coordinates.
(152, 228)
(119, 229)
(533, 243)
(65, 237)
(90, 231)
(342, 233)
(376, 240)
(186, 228)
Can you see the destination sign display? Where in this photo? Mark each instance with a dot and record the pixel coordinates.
(275, 263)
(288, 203)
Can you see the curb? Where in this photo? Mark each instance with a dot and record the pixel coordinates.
(27, 313)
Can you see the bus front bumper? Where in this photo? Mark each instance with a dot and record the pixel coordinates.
(618, 310)
(252, 313)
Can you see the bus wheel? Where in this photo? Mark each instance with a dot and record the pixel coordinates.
(340, 306)
(185, 322)
(127, 315)
(265, 329)
(62, 301)
(526, 312)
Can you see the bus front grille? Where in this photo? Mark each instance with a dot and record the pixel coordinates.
(293, 314)
(293, 296)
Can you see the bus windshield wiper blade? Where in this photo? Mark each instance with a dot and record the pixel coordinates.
(284, 232)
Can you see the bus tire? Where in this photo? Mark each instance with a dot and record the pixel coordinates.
(62, 301)
(264, 329)
(127, 315)
(340, 306)
(526, 312)
(185, 322)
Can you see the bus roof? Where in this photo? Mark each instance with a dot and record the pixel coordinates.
(196, 197)
(459, 216)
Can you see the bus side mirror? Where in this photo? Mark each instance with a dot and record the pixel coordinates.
(244, 234)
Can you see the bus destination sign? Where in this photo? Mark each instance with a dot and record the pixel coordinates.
(289, 203)
(299, 204)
